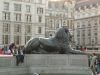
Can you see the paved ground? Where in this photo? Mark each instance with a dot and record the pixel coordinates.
(97, 74)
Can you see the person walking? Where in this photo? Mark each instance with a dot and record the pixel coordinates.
(16, 53)
(98, 65)
(93, 63)
(21, 55)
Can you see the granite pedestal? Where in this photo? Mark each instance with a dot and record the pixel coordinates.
(46, 64)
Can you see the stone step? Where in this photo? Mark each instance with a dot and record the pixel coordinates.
(45, 70)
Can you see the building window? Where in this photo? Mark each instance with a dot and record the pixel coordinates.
(28, 7)
(40, 1)
(78, 33)
(17, 28)
(99, 20)
(78, 25)
(6, 16)
(39, 30)
(6, 27)
(18, 0)
(68, 23)
(17, 17)
(28, 18)
(89, 40)
(46, 22)
(6, 6)
(17, 39)
(84, 41)
(6, 39)
(51, 23)
(83, 32)
(39, 10)
(28, 28)
(89, 32)
(28, 38)
(64, 23)
(49, 5)
(89, 25)
(95, 29)
(57, 26)
(56, 6)
(95, 23)
(39, 19)
(28, 0)
(96, 40)
(17, 7)
(78, 41)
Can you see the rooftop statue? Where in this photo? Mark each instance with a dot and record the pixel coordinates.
(59, 44)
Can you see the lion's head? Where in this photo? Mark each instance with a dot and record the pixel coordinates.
(63, 34)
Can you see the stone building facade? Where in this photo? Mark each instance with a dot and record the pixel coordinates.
(20, 20)
(58, 13)
(87, 24)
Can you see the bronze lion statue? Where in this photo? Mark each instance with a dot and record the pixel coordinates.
(59, 44)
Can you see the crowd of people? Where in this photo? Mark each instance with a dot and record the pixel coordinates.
(5, 50)
(14, 50)
(8, 50)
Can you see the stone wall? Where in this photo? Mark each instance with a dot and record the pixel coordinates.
(46, 64)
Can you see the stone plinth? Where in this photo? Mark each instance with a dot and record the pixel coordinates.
(45, 64)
